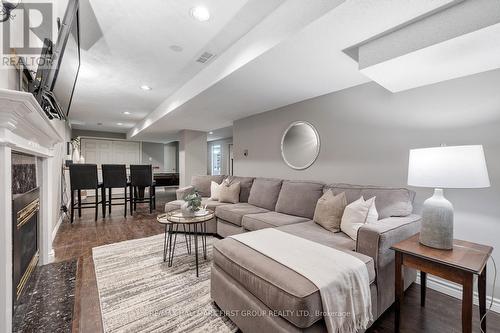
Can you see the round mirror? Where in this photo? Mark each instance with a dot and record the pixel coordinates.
(300, 145)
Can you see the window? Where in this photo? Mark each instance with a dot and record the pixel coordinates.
(216, 160)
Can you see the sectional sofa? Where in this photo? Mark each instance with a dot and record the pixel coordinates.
(260, 294)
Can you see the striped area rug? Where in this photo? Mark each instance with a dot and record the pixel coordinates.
(140, 293)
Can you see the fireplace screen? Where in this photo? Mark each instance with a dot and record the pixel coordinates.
(23, 173)
(25, 209)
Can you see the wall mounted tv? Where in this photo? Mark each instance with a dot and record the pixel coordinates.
(57, 77)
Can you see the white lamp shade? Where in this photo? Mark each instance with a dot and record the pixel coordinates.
(448, 167)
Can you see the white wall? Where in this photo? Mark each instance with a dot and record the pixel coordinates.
(366, 133)
(8, 77)
(59, 158)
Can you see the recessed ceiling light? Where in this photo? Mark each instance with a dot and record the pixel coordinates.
(176, 48)
(126, 112)
(146, 87)
(99, 124)
(200, 13)
(119, 124)
(210, 133)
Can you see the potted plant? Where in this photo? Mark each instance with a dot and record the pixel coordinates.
(192, 204)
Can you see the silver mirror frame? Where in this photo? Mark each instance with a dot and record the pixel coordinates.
(316, 154)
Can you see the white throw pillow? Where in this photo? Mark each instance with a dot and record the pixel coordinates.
(214, 190)
(372, 213)
(356, 214)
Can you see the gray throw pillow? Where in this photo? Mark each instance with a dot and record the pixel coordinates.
(329, 210)
(229, 193)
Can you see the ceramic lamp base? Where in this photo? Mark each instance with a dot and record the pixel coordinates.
(437, 222)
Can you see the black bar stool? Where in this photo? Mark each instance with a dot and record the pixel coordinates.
(141, 176)
(114, 176)
(83, 177)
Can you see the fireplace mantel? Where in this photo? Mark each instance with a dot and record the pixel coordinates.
(25, 128)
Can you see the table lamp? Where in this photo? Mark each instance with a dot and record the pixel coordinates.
(439, 168)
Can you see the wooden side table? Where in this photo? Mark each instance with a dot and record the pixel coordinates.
(458, 265)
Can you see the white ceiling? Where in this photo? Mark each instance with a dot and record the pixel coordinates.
(221, 133)
(126, 44)
(304, 59)
(309, 64)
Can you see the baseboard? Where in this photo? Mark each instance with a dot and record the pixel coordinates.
(56, 228)
(455, 290)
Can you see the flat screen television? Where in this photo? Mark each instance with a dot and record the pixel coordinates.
(63, 85)
(56, 77)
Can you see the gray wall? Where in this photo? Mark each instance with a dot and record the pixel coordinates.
(98, 134)
(154, 153)
(58, 197)
(192, 155)
(224, 152)
(171, 158)
(366, 133)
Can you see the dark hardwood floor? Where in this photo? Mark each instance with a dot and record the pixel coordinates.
(77, 240)
(441, 314)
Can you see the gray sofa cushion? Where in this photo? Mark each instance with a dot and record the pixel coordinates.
(202, 183)
(235, 212)
(299, 198)
(182, 192)
(173, 205)
(269, 220)
(277, 286)
(390, 201)
(245, 186)
(264, 192)
(313, 231)
(230, 295)
(176, 204)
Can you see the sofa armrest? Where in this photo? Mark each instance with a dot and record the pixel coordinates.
(375, 239)
(182, 192)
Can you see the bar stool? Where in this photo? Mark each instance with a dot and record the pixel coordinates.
(141, 176)
(83, 177)
(114, 176)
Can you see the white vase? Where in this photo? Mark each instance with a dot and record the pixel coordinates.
(76, 155)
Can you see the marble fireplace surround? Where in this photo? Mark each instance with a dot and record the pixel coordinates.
(23, 128)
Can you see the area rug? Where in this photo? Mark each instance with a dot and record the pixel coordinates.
(138, 292)
(48, 301)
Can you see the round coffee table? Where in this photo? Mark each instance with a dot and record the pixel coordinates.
(195, 224)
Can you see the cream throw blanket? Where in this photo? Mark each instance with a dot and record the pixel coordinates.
(342, 279)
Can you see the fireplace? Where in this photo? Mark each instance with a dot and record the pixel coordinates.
(26, 132)
(25, 209)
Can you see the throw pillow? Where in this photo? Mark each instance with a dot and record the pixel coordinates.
(214, 190)
(356, 214)
(329, 210)
(229, 193)
(372, 213)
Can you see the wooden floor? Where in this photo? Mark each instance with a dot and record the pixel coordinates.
(441, 314)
